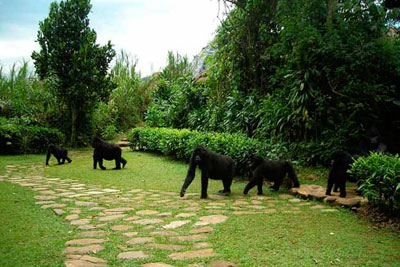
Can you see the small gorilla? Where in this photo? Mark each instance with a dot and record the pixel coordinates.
(213, 166)
(340, 162)
(107, 151)
(60, 154)
(271, 170)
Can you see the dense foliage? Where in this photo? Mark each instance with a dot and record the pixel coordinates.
(16, 138)
(73, 62)
(379, 176)
(322, 75)
(181, 143)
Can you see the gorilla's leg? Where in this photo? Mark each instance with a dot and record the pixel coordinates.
(101, 164)
(204, 185)
(63, 161)
(249, 186)
(259, 187)
(227, 182)
(123, 161)
(59, 160)
(94, 162)
(336, 188)
(329, 187)
(277, 183)
(68, 159)
(342, 186)
(117, 164)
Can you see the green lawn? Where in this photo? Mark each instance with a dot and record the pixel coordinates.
(30, 236)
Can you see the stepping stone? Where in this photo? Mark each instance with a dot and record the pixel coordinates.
(72, 217)
(88, 260)
(132, 218)
(328, 210)
(176, 224)
(257, 207)
(135, 190)
(164, 214)
(185, 215)
(80, 222)
(294, 200)
(111, 218)
(285, 196)
(330, 199)
(140, 240)
(222, 264)
(91, 226)
(317, 194)
(148, 221)
(256, 202)
(193, 254)
(267, 211)
(147, 212)
(121, 227)
(97, 208)
(133, 255)
(130, 234)
(206, 229)
(118, 210)
(55, 205)
(83, 250)
(157, 264)
(45, 197)
(212, 219)
(163, 233)
(348, 202)
(94, 234)
(58, 212)
(190, 238)
(85, 241)
(164, 246)
(192, 209)
(317, 207)
(82, 263)
(244, 212)
(216, 197)
(85, 203)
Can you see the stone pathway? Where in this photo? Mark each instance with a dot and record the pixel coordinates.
(133, 225)
(317, 192)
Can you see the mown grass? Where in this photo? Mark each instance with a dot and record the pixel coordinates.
(307, 238)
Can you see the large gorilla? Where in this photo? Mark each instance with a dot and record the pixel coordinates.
(271, 170)
(60, 154)
(107, 151)
(340, 162)
(213, 166)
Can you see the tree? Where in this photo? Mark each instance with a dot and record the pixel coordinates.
(70, 56)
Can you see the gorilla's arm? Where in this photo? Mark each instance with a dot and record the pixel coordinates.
(190, 175)
(48, 156)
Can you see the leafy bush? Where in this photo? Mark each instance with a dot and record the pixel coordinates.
(109, 132)
(181, 143)
(27, 139)
(380, 179)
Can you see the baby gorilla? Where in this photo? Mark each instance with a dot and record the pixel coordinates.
(271, 170)
(60, 154)
(213, 166)
(107, 151)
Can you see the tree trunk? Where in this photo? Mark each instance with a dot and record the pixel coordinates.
(74, 116)
(331, 9)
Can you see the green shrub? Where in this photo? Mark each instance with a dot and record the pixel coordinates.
(181, 143)
(380, 179)
(109, 132)
(27, 139)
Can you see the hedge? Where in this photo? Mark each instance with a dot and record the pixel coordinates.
(15, 139)
(379, 176)
(181, 143)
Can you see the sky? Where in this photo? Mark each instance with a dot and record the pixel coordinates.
(146, 29)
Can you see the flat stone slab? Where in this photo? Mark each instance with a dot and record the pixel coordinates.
(222, 264)
(85, 241)
(131, 218)
(157, 264)
(88, 260)
(55, 205)
(163, 233)
(72, 217)
(111, 218)
(206, 229)
(93, 234)
(45, 197)
(176, 224)
(121, 227)
(140, 240)
(85, 203)
(268, 211)
(133, 255)
(185, 215)
(91, 226)
(130, 234)
(148, 221)
(80, 222)
(212, 219)
(198, 237)
(202, 245)
(147, 212)
(83, 250)
(82, 263)
(349, 202)
(202, 253)
(164, 246)
(244, 212)
(316, 207)
(58, 212)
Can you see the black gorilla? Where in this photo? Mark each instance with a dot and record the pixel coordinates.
(271, 170)
(60, 154)
(107, 151)
(340, 162)
(213, 166)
